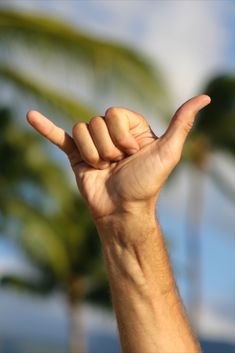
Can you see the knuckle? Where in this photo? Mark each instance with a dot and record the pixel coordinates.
(185, 117)
(77, 127)
(188, 125)
(94, 121)
(112, 112)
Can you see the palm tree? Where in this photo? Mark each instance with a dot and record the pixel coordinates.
(214, 131)
(43, 49)
(34, 52)
(53, 226)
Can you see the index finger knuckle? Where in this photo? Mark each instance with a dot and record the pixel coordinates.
(112, 112)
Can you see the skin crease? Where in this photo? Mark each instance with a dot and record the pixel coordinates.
(120, 166)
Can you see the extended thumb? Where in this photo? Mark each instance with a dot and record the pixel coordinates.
(183, 120)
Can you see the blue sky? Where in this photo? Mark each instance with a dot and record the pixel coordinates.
(190, 41)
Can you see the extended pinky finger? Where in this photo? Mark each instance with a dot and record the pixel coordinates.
(52, 132)
(56, 135)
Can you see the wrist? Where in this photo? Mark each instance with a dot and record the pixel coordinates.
(129, 226)
(135, 253)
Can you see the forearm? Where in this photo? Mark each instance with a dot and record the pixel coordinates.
(149, 310)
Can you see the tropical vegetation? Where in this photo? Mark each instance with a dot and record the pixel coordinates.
(69, 75)
(40, 58)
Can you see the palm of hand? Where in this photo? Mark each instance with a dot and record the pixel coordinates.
(135, 178)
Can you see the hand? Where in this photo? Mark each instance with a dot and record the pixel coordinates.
(119, 163)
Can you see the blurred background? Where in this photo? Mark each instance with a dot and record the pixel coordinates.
(71, 60)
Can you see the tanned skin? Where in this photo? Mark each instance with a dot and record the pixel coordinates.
(120, 167)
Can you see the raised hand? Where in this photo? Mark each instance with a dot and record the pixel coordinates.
(119, 163)
(120, 167)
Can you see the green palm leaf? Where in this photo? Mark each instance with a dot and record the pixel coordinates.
(104, 59)
(217, 121)
(57, 99)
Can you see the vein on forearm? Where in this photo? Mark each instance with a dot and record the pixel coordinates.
(145, 296)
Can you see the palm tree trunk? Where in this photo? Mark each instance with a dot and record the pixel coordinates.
(76, 288)
(194, 215)
(76, 331)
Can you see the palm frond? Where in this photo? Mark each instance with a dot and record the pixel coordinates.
(127, 67)
(43, 285)
(57, 99)
(216, 122)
